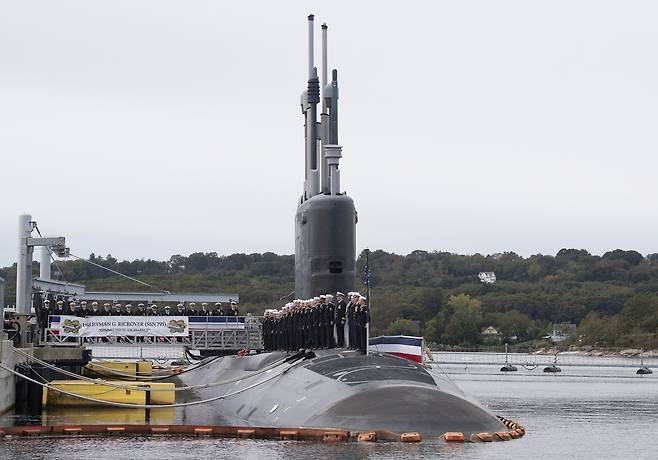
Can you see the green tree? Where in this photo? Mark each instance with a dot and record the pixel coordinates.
(464, 325)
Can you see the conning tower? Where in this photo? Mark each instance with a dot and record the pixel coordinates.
(325, 222)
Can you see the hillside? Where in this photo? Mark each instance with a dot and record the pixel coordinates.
(613, 298)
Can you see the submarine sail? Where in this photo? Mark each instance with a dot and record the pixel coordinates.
(325, 221)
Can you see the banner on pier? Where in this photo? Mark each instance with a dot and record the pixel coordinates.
(120, 326)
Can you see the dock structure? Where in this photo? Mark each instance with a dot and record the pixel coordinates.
(529, 360)
(207, 334)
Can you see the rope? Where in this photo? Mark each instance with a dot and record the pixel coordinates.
(131, 376)
(132, 387)
(116, 272)
(147, 406)
(109, 370)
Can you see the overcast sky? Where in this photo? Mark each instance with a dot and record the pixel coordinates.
(151, 128)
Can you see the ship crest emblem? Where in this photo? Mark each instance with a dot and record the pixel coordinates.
(71, 326)
(177, 326)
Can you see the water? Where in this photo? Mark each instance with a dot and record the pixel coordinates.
(582, 413)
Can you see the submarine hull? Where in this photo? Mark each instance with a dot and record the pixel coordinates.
(342, 390)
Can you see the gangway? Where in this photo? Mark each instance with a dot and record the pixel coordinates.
(213, 334)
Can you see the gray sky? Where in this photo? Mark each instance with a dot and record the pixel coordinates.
(149, 128)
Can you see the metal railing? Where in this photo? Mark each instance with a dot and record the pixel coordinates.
(228, 333)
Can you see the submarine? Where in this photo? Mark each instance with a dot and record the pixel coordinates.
(332, 388)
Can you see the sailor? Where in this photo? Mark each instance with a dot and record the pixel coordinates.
(72, 309)
(117, 310)
(349, 312)
(219, 311)
(363, 319)
(180, 309)
(191, 309)
(129, 309)
(322, 320)
(204, 310)
(339, 316)
(58, 308)
(265, 331)
(42, 314)
(106, 310)
(330, 321)
(316, 322)
(94, 309)
(294, 319)
(233, 311)
(154, 310)
(84, 312)
(141, 310)
(167, 310)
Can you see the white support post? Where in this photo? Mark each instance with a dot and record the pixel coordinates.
(24, 266)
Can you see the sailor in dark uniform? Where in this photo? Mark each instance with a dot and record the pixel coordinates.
(191, 309)
(351, 321)
(73, 309)
(83, 312)
(94, 309)
(329, 322)
(341, 307)
(117, 310)
(154, 310)
(43, 312)
(180, 309)
(363, 319)
(233, 311)
(129, 310)
(167, 311)
(317, 321)
(204, 310)
(219, 311)
(59, 308)
(265, 332)
(106, 310)
(141, 310)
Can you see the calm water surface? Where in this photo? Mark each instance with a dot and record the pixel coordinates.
(582, 413)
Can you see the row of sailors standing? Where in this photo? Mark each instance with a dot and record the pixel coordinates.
(83, 311)
(318, 323)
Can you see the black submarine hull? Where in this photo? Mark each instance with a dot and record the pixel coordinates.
(339, 389)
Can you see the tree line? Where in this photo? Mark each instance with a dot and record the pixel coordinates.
(613, 298)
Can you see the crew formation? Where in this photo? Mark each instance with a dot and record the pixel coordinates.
(318, 323)
(84, 309)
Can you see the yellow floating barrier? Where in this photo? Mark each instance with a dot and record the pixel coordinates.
(161, 393)
(113, 368)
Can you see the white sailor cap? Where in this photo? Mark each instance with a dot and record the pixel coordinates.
(94, 303)
(128, 305)
(192, 304)
(46, 301)
(218, 304)
(233, 302)
(84, 302)
(179, 305)
(340, 294)
(203, 304)
(106, 304)
(60, 302)
(322, 297)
